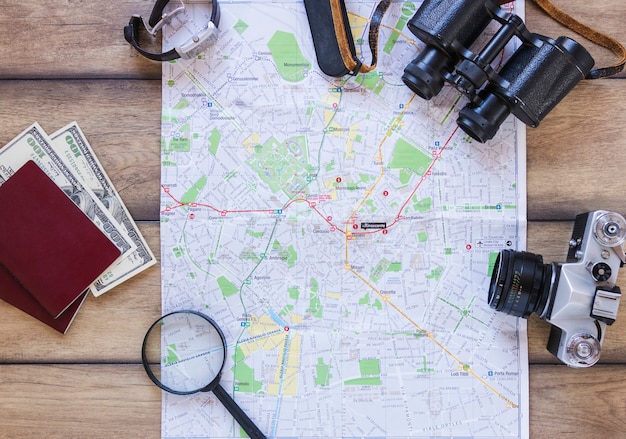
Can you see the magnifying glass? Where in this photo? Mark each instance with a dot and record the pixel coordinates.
(183, 353)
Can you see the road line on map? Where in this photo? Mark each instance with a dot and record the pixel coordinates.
(203, 89)
(386, 298)
(393, 126)
(349, 234)
(432, 338)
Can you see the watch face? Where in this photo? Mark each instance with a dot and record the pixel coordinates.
(158, 18)
(199, 42)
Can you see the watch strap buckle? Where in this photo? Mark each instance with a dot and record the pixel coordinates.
(156, 22)
(165, 19)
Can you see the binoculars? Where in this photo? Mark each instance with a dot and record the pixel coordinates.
(529, 85)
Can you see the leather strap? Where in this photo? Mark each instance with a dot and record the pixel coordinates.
(156, 21)
(351, 62)
(131, 34)
(157, 12)
(592, 35)
(354, 65)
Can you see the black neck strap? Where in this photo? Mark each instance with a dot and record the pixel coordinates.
(156, 21)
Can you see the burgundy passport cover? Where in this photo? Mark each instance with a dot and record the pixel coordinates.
(12, 292)
(47, 243)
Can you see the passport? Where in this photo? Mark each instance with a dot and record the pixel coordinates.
(48, 246)
(12, 292)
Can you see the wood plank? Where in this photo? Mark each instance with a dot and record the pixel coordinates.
(45, 39)
(574, 157)
(48, 39)
(111, 328)
(121, 119)
(104, 401)
(577, 403)
(72, 401)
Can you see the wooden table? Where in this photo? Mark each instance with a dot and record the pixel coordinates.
(67, 60)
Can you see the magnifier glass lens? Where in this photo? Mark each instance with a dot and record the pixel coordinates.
(185, 352)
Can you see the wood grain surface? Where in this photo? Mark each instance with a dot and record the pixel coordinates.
(65, 60)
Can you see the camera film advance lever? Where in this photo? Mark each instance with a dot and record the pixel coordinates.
(579, 298)
(158, 19)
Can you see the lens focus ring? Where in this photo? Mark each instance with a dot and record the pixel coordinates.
(520, 283)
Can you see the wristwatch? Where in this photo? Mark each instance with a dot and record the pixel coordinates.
(157, 19)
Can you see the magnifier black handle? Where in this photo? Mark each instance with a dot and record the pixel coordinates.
(244, 421)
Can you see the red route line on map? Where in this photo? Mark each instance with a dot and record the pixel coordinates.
(397, 219)
(348, 233)
(313, 205)
(224, 213)
(385, 298)
(426, 174)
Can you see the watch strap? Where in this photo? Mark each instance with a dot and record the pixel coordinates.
(131, 34)
(157, 12)
(157, 17)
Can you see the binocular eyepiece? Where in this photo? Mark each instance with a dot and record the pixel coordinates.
(529, 85)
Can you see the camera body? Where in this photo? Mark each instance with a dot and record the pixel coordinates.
(579, 297)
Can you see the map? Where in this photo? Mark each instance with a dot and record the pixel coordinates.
(341, 232)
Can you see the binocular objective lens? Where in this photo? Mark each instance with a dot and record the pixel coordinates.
(520, 283)
(482, 121)
(425, 74)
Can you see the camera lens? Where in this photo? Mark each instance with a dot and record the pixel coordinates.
(520, 283)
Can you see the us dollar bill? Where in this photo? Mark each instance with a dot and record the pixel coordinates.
(34, 144)
(72, 146)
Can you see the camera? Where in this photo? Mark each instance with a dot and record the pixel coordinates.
(579, 298)
(529, 85)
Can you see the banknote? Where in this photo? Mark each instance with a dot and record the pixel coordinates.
(77, 154)
(34, 144)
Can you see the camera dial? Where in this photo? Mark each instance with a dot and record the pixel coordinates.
(601, 271)
(578, 298)
(610, 229)
(583, 350)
